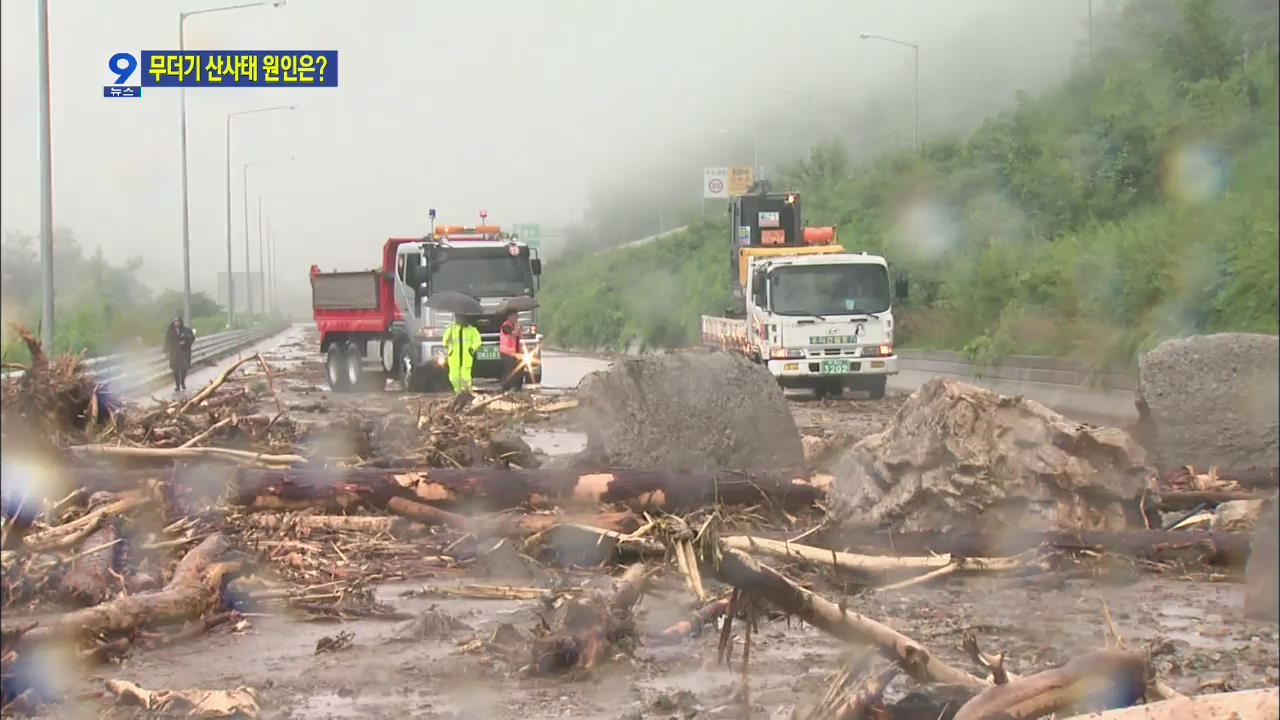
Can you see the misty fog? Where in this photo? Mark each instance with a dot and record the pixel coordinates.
(517, 107)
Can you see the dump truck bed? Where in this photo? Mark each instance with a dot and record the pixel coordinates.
(351, 301)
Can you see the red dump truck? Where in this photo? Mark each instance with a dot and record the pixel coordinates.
(375, 324)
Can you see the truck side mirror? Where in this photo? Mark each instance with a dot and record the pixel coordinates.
(901, 288)
(536, 265)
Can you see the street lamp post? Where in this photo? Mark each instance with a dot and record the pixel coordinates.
(45, 142)
(271, 268)
(262, 284)
(244, 186)
(182, 135)
(915, 107)
(231, 285)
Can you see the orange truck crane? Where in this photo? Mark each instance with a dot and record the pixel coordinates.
(815, 314)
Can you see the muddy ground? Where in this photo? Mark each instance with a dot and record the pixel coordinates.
(1201, 639)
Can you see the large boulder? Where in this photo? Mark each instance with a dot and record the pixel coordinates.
(1262, 593)
(960, 458)
(1213, 400)
(691, 410)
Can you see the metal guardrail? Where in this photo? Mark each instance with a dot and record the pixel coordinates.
(131, 371)
(1020, 368)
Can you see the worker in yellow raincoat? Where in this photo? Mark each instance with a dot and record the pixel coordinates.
(462, 341)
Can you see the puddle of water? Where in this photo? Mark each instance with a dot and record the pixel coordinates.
(556, 442)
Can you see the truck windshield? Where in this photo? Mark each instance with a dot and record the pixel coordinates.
(488, 272)
(829, 289)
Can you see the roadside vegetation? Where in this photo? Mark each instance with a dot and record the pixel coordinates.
(100, 307)
(1136, 202)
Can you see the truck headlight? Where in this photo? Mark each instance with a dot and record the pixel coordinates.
(785, 353)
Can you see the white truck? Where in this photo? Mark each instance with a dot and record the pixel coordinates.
(815, 315)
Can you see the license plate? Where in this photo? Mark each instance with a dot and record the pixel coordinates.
(487, 352)
(830, 367)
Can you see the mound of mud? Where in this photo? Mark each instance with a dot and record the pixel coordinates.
(690, 410)
(1262, 594)
(1213, 400)
(960, 458)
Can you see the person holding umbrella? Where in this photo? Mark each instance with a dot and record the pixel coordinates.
(462, 341)
(462, 338)
(510, 347)
(509, 351)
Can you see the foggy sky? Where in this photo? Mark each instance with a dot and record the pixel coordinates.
(514, 106)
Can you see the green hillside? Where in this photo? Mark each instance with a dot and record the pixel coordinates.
(1136, 202)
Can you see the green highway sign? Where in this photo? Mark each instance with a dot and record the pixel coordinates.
(529, 233)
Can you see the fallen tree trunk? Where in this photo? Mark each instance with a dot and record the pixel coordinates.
(495, 488)
(185, 453)
(742, 571)
(72, 533)
(1214, 548)
(1260, 704)
(1188, 499)
(85, 583)
(1265, 478)
(195, 589)
(480, 488)
(338, 523)
(869, 564)
(1105, 677)
(683, 628)
(585, 544)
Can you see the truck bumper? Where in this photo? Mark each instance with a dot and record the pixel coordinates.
(434, 352)
(805, 372)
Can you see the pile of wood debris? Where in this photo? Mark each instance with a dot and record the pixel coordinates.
(162, 525)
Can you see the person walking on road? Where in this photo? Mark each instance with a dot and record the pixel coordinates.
(462, 341)
(509, 349)
(178, 339)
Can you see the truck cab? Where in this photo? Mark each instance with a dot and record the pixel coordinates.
(482, 262)
(824, 321)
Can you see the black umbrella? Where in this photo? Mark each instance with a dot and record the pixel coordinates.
(520, 303)
(455, 302)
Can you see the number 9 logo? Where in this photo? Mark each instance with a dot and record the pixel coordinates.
(123, 65)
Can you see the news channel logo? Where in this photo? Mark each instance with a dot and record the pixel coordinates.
(220, 68)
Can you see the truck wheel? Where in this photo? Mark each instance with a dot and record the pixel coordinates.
(436, 380)
(354, 368)
(409, 378)
(875, 387)
(335, 367)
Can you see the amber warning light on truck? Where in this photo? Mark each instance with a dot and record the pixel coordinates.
(220, 68)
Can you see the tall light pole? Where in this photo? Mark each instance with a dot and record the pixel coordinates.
(45, 142)
(271, 270)
(231, 285)
(244, 185)
(182, 114)
(262, 285)
(915, 107)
